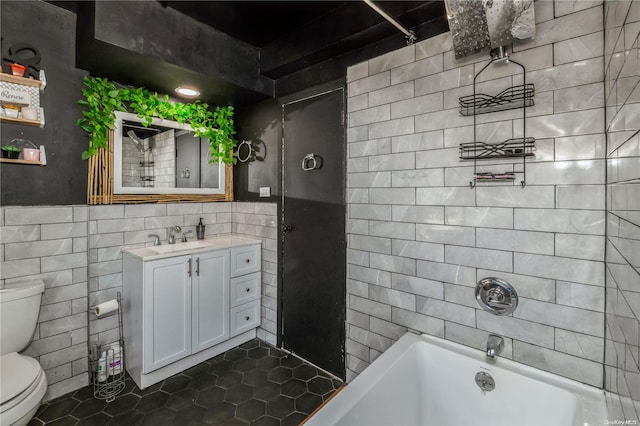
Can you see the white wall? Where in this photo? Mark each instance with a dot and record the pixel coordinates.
(419, 237)
(75, 250)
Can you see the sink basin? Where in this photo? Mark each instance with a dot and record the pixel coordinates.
(172, 248)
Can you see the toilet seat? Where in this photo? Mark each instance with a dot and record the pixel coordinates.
(22, 386)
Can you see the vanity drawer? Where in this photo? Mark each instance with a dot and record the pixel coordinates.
(245, 260)
(245, 317)
(245, 288)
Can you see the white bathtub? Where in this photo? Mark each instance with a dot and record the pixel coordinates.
(424, 380)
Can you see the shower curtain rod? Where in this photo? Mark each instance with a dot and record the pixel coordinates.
(408, 34)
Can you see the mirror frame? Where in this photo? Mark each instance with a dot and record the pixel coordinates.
(105, 174)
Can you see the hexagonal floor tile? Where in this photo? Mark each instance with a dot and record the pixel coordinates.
(254, 377)
(251, 410)
(239, 393)
(267, 391)
(294, 388)
(279, 374)
(308, 402)
(320, 385)
(280, 406)
(228, 379)
(257, 353)
(182, 399)
(211, 396)
(219, 413)
(305, 372)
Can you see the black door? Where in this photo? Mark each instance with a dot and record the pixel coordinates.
(313, 265)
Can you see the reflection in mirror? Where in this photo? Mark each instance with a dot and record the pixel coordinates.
(163, 158)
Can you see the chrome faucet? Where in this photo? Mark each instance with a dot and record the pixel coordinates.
(184, 235)
(156, 239)
(172, 238)
(495, 344)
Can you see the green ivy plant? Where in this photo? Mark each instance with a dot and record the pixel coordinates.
(102, 98)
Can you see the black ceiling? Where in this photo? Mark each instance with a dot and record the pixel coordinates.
(289, 37)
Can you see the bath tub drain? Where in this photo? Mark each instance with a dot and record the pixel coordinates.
(485, 381)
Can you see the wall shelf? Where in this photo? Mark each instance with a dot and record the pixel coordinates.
(24, 121)
(511, 98)
(28, 162)
(511, 148)
(9, 78)
(22, 92)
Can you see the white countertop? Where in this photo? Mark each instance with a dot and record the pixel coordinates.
(194, 246)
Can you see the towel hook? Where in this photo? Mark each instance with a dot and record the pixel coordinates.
(310, 162)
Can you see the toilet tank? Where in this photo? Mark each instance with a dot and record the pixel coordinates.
(19, 309)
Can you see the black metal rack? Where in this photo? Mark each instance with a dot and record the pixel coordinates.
(478, 103)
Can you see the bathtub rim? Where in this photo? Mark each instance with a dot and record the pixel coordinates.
(336, 408)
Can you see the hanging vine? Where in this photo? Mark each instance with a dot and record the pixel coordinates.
(102, 98)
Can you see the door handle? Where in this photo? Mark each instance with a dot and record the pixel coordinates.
(189, 270)
(197, 266)
(287, 228)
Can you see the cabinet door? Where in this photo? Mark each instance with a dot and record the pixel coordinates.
(210, 323)
(167, 312)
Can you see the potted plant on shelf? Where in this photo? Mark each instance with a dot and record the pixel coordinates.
(10, 151)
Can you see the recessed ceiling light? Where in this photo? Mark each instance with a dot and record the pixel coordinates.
(188, 92)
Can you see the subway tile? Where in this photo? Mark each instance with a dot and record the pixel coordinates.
(517, 329)
(563, 124)
(55, 310)
(370, 211)
(48, 344)
(482, 258)
(63, 261)
(446, 311)
(418, 214)
(417, 321)
(588, 96)
(560, 220)
(447, 196)
(392, 59)
(418, 250)
(387, 95)
(440, 120)
(63, 230)
(456, 77)
(369, 180)
(370, 307)
(393, 298)
(217, 207)
(64, 293)
(144, 210)
(579, 369)
(371, 244)
(580, 345)
(358, 288)
(417, 286)
(485, 217)
(515, 196)
(370, 275)
(400, 230)
(62, 325)
(63, 356)
(565, 317)
(19, 268)
(564, 28)
(370, 115)
(437, 158)
(31, 249)
(583, 197)
(446, 234)
(120, 225)
(417, 141)
(358, 103)
(20, 233)
(400, 161)
(418, 105)
(37, 215)
(106, 212)
(358, 196)
(460, 295)
(356, 165)
(417, 69)
(583, 172)
(358, 71)
(417, 178)
(566, 7)
(369, 147)
(589, 247)
(387, 329)
(400, 126)
(560, 268)
(455, 274)
(368, 84)
(520, 241)
(80, 213)
(393, 195)
(367, 338)
(434, 45)
(395, 264)
(355, 134)
(357, 226)
(358, 257)
(579, 48)
(580, 296)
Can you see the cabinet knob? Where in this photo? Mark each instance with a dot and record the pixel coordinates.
(247, 260)
(247, 318)
(247, 289)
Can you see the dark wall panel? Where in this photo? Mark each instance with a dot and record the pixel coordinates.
(261, 125)
(51, 30)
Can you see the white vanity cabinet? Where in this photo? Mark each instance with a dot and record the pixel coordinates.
(184, 307)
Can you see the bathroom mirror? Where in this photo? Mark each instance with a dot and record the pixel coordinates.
(165, 157)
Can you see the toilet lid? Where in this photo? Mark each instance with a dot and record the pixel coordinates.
(17, 373)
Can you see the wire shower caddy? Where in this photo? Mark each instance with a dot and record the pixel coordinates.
(108, 374)
(520, 96)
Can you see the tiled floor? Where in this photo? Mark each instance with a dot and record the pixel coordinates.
(253, 384)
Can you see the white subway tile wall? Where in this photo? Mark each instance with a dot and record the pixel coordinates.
(622, 97)
(75, 250)
(420, 237)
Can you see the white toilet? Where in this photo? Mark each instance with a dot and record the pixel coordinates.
(22, 379)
